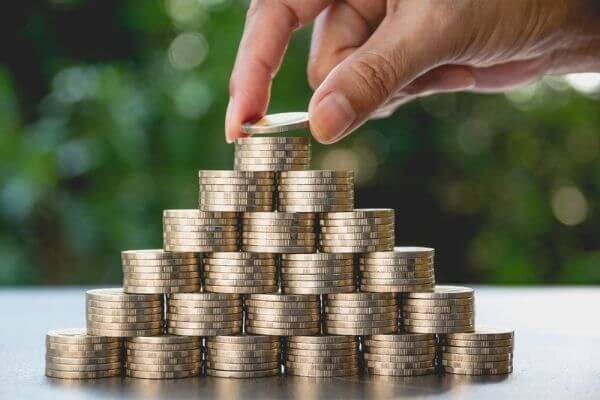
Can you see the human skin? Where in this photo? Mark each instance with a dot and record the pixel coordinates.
(368, 57)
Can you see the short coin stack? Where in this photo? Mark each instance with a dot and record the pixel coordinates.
(156, 271)
(361, 314)
(322, 356)
(317, 273)
(163, 357)
(237, 190)
(405, 269)
(400, 355)
(242, 356)
(111, 312)
(204, 314)
(448, 309)
(316, 191)
(486, 351)
(239, 272)
(283, 314)
(358, 231)
(73, 354)
(278, 232)
(200, 231)
(272, 154)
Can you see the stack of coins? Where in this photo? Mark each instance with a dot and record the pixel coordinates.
(200, 231)
(73, 354)
(111, 312)
(358, 231)
(239, 272)
(163, 357)
(204, 314)
(156, 271)
(322, 356)
(278, 232)
(400, 355)
(361, 314)
(283, 314)
(317, 273)
(242, 356)
(272, 153)
(405, 269)
(316, 191)
(237, 191)
(487, 351)
(448, 309)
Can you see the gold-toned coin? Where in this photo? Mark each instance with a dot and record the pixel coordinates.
(400, 358)
(150, 255)
(444, 292)
(82, 367)
(118, 332)
(130, 366)
(477, 357)
(360, 310)
(389, 351)
(283, 332)
(82, 375)
(76, 336)
(485, 333)
(83, 360)
(400, 372)
(83, 353)
(399, 365)
(309, 372)
(162, 375)
(361, 331)
(477, 350)
(478, 371)
(242, 374)
(242, 367)
(117, 295)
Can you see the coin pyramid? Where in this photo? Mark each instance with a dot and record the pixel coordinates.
(275, 272)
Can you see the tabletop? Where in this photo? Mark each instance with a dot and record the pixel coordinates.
(557, 355)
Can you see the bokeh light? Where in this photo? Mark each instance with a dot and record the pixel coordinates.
(188, 50)
(569, 205)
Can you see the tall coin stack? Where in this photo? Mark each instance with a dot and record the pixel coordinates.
(242, 356)
(272, 154)
(204, 314)
(163, 357)
(157, 271)
(317, 273)
(283, 314)
(361, 314)
(400, 355)
(73, 354)
(240, 272)
(358, 231)
(322, 356)
(200, 231)
(316, 191)
(114, 313)
(278, 232)
(448, 309)
(486, 351)
(237, 191)
(403, 270)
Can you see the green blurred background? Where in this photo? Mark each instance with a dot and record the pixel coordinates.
(108, 109)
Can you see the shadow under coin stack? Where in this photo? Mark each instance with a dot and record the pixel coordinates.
(272, 154)
(278, 232)
(283, 314)
(73, 354)
(316, 191)
(239, 272)
(486, 351)
(200, 231)
(400, 355)
(322, 356)
(448, 309)
(204, 314)
(163, 357)
(111, 312)
(157, 271)
(237, 191)
(403, 270)
(317, 273)
(242, 356)
(361, 314)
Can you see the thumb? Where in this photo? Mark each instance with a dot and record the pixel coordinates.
(367, 79)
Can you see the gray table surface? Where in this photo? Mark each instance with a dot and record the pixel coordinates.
(557, 355)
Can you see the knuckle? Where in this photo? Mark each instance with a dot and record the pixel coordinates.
(376, 75)
(316, 74)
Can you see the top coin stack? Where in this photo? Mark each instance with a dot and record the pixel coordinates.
(156, 271)
(359, 231)
(405, 269)
(486, 351)
(200, 231)
(73, 354)
(448, 309)
(272, 153)
(316, 191)
(237, 191)
(111, 312)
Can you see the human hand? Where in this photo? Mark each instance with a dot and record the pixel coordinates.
(370, 56)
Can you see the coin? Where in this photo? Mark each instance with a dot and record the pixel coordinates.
(309, 372)
(399, 359)
(244, 346)
(477, 350)
(82, 374)
(84, 360)
(83, 353)
(357, 222)
(353, 249)
(203, 310)
(437, 323)
(124, 318)
(362, 324)
(195, 213)
(438, 329)
(477, 357)
(278, 249)
(367, 276)
(403, 252)
(242, 374)
(439, 317)
(361, 331)
(361, 213)
(276, 123)
(283, 318)
(360, 310)
(242, 367)
(478, 343)
(215, 353)
(235, 174)
(478, 371)
(130, 366)
(68, 347)
(162, 375)
(429, 350)
(359, 317)
(123, 325)
(117, 295)
(322, 367)
(318, 182)
(484, 333)
(203, 332)
(204, 317)
(399, 365)
(282, 331)
(224, 181)
(76, 336)
(347, 187)
(118, 332)
(278, 306)
(400, 372)
(149, 255)
(467, 301)
(163, 346)
(204, 297)
(444, 292)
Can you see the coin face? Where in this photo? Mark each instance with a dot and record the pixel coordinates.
(276, 123)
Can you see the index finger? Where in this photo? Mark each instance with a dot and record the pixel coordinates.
(269, 26)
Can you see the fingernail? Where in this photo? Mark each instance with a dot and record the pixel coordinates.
(460, 80)
(227, 116)
(331, 117)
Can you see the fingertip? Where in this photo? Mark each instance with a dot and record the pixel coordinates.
(331, 117)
